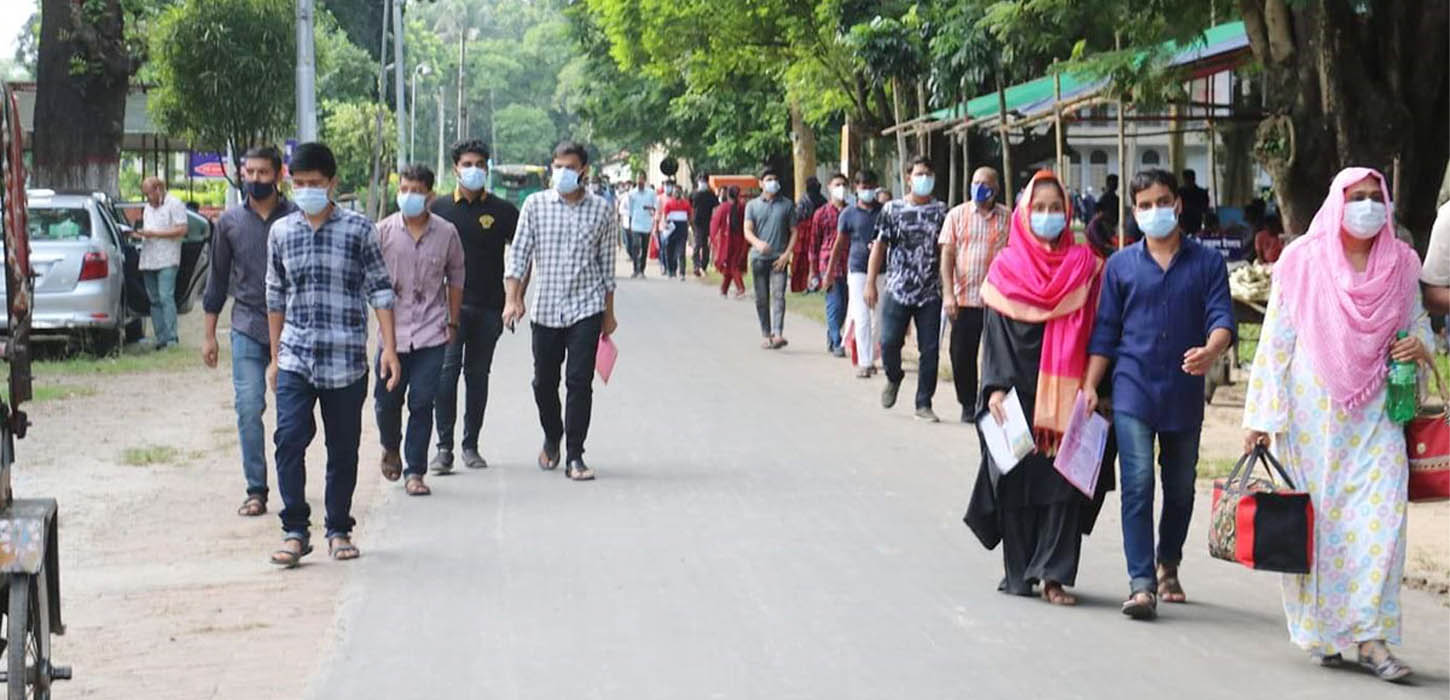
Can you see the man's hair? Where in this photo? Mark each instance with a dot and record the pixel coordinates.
(572, 148)
(314, 156)
(921, 160)
(837, 176)
(813, 184)
(1151, 177)
(733, 191)
(1210, 219)
(1112, 183)
(866, 177)
(418, 173)
(474, 146)
(269, 153)
(769, 171)
(1189, 175)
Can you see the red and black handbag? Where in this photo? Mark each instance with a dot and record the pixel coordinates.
(1258, 523)
(1427, 438)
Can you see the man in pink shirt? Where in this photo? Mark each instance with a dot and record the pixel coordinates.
(424, 257)
(973, 234)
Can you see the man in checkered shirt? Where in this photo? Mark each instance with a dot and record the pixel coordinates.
(566, 240)
(324, 268)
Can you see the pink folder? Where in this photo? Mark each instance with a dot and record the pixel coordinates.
(604, 358)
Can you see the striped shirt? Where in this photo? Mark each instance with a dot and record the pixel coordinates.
(976, 238)
(323, 281)
(571, 248)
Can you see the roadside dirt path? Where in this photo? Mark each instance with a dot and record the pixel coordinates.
(166, 592)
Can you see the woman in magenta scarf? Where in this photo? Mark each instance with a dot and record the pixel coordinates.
(1341, 294)
(1041, 295)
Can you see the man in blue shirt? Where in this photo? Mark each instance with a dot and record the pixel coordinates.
(642, 203)
(1165, 316)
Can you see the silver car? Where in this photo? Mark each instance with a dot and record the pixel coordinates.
(87, 287)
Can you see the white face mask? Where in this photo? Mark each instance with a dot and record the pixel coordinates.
(838, 193)
(771, 186)
(1365, 218)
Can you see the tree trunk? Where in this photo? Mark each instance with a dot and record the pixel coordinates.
(1348, 87)
(80, 103)
(803, 148)
(900, 137)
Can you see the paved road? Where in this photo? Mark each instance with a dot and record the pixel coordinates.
(762, 529)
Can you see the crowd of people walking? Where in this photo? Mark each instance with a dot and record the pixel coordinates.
(1128, 325)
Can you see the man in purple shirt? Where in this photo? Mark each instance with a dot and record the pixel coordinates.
(424, 257)
(1164, 316)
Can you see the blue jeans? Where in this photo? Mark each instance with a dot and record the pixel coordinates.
(1178, 458)
(927, 317)
(342, 423)
(419, 384)
(161, 292)
(249, 382)
(836, 312)
(471, 355)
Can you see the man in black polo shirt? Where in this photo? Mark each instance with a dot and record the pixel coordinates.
(485, 225)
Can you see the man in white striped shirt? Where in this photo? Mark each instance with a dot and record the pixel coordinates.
(566, 243)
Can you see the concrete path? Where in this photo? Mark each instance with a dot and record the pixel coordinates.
(762, 529)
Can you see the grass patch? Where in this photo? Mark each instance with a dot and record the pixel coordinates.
(148, 455)
(51, 392)
(129, 362)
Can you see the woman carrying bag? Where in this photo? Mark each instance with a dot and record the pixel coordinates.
(1341, 293)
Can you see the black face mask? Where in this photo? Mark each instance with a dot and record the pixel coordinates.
(261, 190)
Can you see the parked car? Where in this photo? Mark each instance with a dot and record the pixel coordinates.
(195, 260)
(87, 285)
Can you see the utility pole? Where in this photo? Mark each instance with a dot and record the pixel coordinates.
(492, 129)
(462, 51)
(306, 74)
(440, 132)
(398, 82)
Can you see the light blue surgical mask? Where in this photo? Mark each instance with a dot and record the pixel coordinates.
(1158, 222)
(866, 194)
(1365, 218)
(565, 180)
(311, 200)
(922, 185)
(472, 178)
(1048, 225)
(411, 203)
(771, 186)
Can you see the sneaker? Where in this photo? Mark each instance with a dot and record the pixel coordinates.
(888, 393)
(838, 352)
(442, 462)
(968, 417)
(926, 414)
(473, 460)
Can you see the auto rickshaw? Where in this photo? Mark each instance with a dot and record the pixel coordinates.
(29, 553)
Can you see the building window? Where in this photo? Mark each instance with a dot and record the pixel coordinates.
(1150, 157)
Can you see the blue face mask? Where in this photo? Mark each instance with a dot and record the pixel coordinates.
(472, 178)
(1048, 225)
(1158, 222)
(981, 193)
(311, 200)
(411, 203)
(922, 185)
(565, 180)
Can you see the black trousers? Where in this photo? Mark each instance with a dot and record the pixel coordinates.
(571, 349)
(966, 341)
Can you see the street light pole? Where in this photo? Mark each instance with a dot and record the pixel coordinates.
(306, 74)
(398, 78)
(421, 70)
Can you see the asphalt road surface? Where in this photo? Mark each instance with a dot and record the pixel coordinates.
(761, 528)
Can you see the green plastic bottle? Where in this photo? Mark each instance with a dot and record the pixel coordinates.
(1401, 387)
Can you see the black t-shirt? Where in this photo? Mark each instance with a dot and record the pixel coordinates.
(485, 226)
(1195, 203)
(704, 204)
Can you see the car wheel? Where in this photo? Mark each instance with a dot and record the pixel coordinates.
(135, 330)
(104, 342)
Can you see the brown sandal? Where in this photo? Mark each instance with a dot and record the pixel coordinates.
(252, 507)
(1170, 590)
(414, 486)
(1053, 593)
(392, 466)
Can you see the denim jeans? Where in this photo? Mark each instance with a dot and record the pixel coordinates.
(1178, 459)
(342, 426)
(927, 317)
(637, 243)
(672, 249)
(471, 355)
(769, 297)
(419, 385)
(161, 292)
(249, 382)
(573, 349)
(836, 313)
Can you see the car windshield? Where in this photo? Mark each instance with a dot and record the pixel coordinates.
(47, 224)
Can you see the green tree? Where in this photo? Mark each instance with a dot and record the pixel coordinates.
(225, 70)
(345, 71)
(350, 128)
(525, 135)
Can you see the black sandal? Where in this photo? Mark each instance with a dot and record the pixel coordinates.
(289, 559)
(252, 507)
(578, 471)
(1138, 610)
(1388, 668)
(342, 552)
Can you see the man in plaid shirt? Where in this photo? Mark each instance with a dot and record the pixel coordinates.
(832, 269)
(324, 267)
(567, 237)
(973, 234)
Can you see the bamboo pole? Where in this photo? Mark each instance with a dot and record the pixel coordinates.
(900, 138)
(1122, 160)
(1006, 145)
(952, 172)
(1057, 117)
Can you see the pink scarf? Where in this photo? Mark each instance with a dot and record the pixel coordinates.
(1057, 287)
(1346, 319)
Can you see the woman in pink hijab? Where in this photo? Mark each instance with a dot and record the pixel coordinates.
(1341, 294)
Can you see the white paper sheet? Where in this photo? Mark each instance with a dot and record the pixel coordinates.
(1080, 457)
(1011, 441)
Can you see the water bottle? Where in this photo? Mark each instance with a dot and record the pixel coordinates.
(1401, 387)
